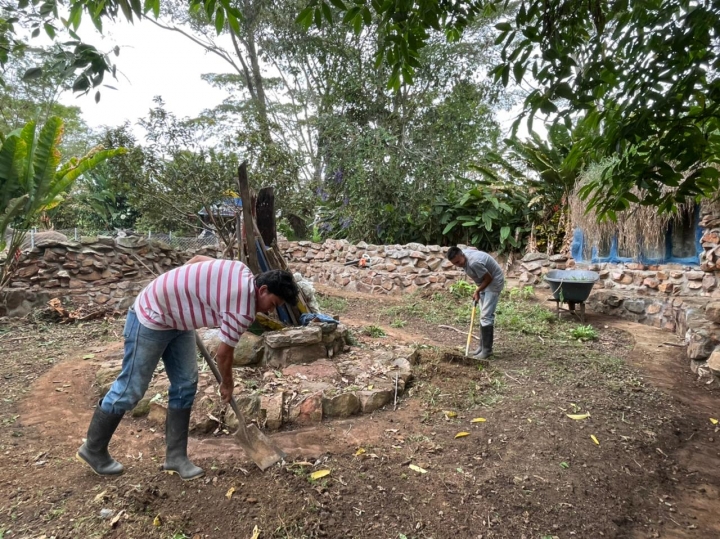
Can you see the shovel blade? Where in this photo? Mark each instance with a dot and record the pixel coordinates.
(258, 447)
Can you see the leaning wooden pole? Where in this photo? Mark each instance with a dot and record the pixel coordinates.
(244, 187)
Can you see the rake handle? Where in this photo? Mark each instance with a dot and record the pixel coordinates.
(472, 323)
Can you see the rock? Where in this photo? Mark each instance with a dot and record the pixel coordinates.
(106, 375)
(157, 414)
(281, 357)
(701, 346)
(27, 271)
(142, 408)
(651, 283)
(343, 405)
(635, 266)
(712, 311)
(106, 240)
(696, 366)
(271, 409)
(635, 306)
(309, 410)
(375, 399)
(713, 362)
(709, 282)
(667, 288)
(653, 309)
(249, 350)
(532, 267)
(249, 407)
(616, 276)
(711, 236)
(293, 337)
(558, 258)
(531, 257)
(131, 242)
(694, 275)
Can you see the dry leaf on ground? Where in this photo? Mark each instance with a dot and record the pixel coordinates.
(319, 474)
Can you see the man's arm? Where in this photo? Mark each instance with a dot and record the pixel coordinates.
(224, 359)
(199, 258)
(484, 283)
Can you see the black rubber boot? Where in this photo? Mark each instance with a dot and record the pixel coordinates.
(479, 348)
(94, 451)
(487, 342)
(176, 439)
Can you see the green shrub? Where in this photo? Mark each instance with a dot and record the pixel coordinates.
(584, 333)
(462, 289)
(374, 331)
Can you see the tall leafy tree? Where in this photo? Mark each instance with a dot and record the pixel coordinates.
(639, 77)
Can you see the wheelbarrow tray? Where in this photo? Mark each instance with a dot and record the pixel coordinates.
(571, 286)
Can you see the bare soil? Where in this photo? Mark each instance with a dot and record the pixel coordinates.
(526, 471)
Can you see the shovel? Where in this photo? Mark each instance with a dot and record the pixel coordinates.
(256, 445)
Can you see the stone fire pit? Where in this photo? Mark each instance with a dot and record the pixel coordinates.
(294, 376)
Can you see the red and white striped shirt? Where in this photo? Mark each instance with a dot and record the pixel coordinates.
(217, 293)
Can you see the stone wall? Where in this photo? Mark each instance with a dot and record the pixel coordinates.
(92, 271)
(678, 298)
(391, 269)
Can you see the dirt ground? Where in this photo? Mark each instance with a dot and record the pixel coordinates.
(526, 470)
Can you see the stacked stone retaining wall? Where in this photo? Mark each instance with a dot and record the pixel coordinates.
(390, 269)
(93, 271)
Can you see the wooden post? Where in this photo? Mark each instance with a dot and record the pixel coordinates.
(252, 259)
(265, 212)
(239, 235)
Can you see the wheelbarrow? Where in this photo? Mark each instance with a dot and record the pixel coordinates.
(572, 287)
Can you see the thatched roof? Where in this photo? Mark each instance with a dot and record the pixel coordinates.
(636, 228)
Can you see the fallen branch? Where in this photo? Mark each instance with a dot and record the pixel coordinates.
(457, 331)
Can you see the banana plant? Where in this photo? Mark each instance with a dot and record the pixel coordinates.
(33, 180)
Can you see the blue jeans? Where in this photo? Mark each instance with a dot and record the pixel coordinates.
(488, 304)
(143, 349)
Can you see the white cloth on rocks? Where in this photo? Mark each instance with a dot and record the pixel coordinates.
(309, 290)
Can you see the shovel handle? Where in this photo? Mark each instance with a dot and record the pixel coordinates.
(213, 367)
(472, 323)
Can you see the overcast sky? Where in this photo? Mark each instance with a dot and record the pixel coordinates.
(152, 62)
(156, 62)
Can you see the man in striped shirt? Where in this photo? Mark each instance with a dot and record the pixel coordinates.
(161, 323)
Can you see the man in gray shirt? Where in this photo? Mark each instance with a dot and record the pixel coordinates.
(489, 278)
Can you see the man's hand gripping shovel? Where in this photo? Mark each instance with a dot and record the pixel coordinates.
(256, 445)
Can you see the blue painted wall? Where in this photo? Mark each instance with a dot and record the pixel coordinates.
(578, 247)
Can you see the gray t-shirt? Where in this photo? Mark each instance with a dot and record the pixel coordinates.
(478, 264)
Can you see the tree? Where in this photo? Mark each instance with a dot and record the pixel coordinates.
(638, 78)
(540, 167)
(34, 181)
(36, 100)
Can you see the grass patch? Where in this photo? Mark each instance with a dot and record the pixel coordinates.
(332, 304)
(584, 333)
(374, 331)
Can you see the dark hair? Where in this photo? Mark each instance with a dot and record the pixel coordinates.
(281, 283)
(453, 252)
